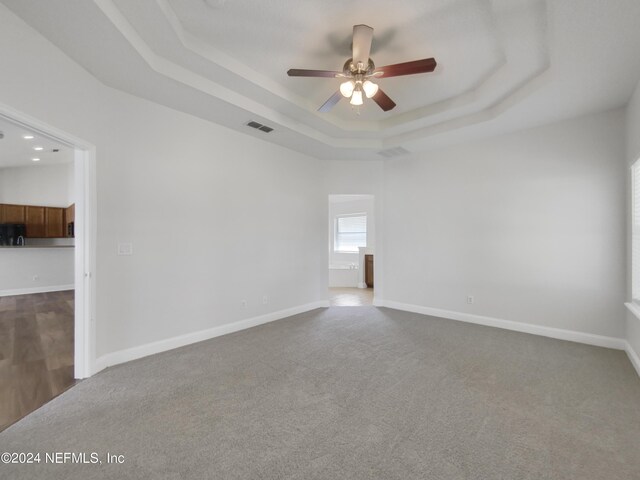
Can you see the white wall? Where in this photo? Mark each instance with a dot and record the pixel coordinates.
(532, 224)
(29, 270)
(354, 177)
(633, 154)
(71, 181)
(192, 197)
(44, 185)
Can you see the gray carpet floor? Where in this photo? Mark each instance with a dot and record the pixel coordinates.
(349, 393)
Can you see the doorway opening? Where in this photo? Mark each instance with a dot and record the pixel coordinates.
(47, 237)
(351, 246)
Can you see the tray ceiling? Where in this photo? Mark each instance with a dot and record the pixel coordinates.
(502, 64)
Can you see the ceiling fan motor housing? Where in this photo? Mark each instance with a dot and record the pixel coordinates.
(351, 69)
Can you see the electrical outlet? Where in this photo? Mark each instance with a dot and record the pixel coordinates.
(243, 303)
(470, 299)
(265, 299)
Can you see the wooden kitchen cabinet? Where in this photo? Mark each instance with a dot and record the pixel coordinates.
(70, 213)
(12, 213)
(54, 222)
(69, 220)
(35, 220)
(41, 222)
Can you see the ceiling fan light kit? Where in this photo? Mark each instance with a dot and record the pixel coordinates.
(359, 70)
(356, 97)
(346, 88)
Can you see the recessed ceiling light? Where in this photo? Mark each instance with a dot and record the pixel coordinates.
(35, 159)
(38, 148)
(28, 137)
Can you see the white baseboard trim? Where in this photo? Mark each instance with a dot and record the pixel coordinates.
(362, 285)
(558, 333)
(122, 356)
(633, 356)
(27, 291)
(633, 308)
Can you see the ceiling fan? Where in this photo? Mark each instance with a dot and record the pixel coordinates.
(360, 70)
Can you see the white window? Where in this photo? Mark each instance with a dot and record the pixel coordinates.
(635, 232)
(350, 233)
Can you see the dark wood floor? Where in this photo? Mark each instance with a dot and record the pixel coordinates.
(36, 351)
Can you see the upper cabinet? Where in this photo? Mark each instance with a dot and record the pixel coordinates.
(12, 214)
(54, 222)
(36, 222)
(70, 214)
(41, 222)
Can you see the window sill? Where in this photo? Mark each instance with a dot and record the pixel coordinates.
(633, 308)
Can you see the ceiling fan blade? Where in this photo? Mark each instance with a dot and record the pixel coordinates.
(362, 37)
(297, 72)
(408, 68)
(333, 99)
(383, 100)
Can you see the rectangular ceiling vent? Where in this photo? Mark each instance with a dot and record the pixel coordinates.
(393, 152)
(259, 126)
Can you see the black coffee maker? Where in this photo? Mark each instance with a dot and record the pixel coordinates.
(12, 234)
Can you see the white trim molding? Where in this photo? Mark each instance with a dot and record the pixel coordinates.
(633, 308)
(122, 356)
(633, 357)
(558, 333)
(27, 291)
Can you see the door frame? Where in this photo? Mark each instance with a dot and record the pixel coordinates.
(85, 235)
(378, 238)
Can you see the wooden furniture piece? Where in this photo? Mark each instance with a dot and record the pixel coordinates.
(368, 270)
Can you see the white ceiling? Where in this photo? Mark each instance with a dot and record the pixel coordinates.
(502, 64)
(16, 151)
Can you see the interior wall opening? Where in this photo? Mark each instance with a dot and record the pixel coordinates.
(44, 291)
(351, 245)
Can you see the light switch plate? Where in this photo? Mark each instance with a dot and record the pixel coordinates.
(125, 248)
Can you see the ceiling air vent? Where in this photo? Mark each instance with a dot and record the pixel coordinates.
(393, 152)
(259, 126)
